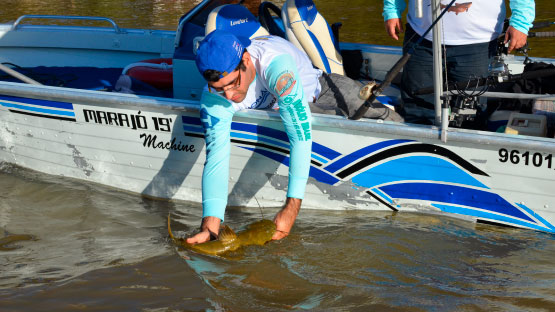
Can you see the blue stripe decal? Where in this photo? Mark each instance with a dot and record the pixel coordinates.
(487, 215)
(457, 195)
(382, 195)
(322, 176)
(257, 139)
(324, 151)
(53, 104)
(281, 135)
(537, 216)
(354, 156)
(315, 173)
(319, 149)
(320, 159)
(259, 130)
(427, 168)
(38, 110)
(274, 143)
(191, 120)
(193, 129)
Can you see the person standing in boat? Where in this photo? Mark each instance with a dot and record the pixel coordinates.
(470, 32)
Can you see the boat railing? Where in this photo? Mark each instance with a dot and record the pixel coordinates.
(517, 96)
(117, 29)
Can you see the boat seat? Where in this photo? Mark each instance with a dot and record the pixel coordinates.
(235, 19)
(309, 31)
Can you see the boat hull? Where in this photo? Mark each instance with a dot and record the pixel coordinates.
(155, 147)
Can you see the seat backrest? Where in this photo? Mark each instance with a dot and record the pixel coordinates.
(235, 19)
(309, 31)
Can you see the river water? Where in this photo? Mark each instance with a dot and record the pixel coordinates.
(88, 247)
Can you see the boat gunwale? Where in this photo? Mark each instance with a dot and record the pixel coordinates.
(416, 131)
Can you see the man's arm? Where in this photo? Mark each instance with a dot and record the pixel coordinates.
(285, 84)
(392, 13)
(216, 114)
(523, 14)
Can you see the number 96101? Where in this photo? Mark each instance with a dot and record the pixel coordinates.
(527, 158)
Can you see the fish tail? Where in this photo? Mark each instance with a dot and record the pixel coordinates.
(170, 229)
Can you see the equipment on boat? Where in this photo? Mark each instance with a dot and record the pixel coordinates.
(155, 72)
(462, 100)
(527, 124)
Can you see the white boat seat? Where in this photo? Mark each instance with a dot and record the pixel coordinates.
(309, 31)
(235, 19)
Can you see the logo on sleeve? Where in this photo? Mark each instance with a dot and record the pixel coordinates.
(285, 84)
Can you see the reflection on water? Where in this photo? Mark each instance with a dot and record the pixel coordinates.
(98, 248)
(75, 229)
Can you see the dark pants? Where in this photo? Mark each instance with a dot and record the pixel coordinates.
(463, 62)
(339, 96)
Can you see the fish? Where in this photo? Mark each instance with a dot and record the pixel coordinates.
(458, 7)
(256, 233)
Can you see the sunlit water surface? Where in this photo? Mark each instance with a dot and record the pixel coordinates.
(87, 247)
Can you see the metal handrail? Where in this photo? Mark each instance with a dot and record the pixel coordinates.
(70, 17)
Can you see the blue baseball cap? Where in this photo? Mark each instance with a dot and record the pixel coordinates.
(222, 51)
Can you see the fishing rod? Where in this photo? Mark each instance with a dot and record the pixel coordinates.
(542, 34)
(542, 24)
(378, 89)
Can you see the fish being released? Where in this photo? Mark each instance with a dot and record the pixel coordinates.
(257, 233)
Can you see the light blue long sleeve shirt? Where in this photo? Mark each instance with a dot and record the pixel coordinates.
(216, 116)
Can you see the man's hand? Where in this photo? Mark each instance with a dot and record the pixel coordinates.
(515, 38)
(394, 27)
(210, 226)
(285, 218)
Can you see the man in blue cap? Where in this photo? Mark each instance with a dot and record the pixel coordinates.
(271, 74)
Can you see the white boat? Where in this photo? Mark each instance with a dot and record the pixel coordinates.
(154, 145)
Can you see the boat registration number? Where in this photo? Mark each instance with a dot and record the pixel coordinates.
(527, 158)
